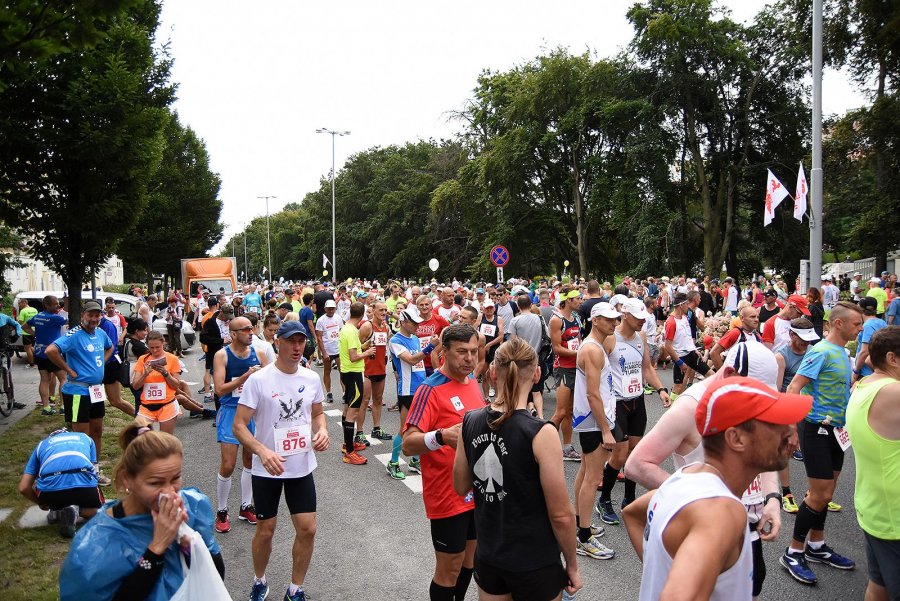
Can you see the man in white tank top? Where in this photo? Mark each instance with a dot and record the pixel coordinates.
(692, 533)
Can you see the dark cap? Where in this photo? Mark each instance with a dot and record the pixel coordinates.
(290, 328)
(770, 292)
(868, 302)
(91, 306)
(287, 306)
(226, 308)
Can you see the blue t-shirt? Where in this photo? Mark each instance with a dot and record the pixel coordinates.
(306, 316)
(870, 326)
(63, 452)
(894, 310)
(828, 368)
(7, 320)
(409, 377)
(47, 328)
(84, 354)
(111, 331)
(253, 300)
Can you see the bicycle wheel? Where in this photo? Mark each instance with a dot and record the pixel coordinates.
(6, 393)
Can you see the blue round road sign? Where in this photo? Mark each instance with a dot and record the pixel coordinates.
(499, 256)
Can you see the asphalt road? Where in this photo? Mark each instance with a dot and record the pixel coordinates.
(373, 539)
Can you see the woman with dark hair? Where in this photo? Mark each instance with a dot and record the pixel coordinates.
(816, 310)
(513, 464)
(134, 347)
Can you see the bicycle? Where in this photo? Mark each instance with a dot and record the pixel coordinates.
(7, 394)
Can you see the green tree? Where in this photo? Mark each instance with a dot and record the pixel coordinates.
(81, 138)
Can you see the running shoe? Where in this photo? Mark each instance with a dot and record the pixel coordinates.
(53, 516)
(394, 471)
(832, 506)
(826, 555)
(648, 389)
(625, 503)
(381, 434)
(248, 514)
(354, 458)
(18, 405)
(298, 596)
(570, 454)
(48, 411)
(620, 476)
(597, 530)
(361, 439)
(329, 398)
(201, 391)
(797, 456)
(394, 407)
(103, 479)
(357, 446)
(415, 465)
(607, 513)
(67, 518)
(788, 504)
(222, 523)
(259, 591)
(672, 398)
(795, 563)
(592, 548)
(208, 398)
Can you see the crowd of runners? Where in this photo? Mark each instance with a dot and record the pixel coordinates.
(760, 375)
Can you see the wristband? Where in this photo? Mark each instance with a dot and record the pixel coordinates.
(658, 390)
(773, 495)
(858, 372)
(428, 348)
(679, 363)
(431, 441)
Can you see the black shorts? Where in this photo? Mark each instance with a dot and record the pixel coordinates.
(449, 535)
(539, 385)
(883, 557)
(565, 376)
(631, 416)
(353, 388)
(591, 441)
(91, 498)
(376, 378)
(489, 355)
(309, 349)
(405, 400)
(299, 494)
(27, 339)
(45, 364)
(693, 361)
(78, 408)
(210, 355)
(822, 455)
(111, 372)
(542, 584)
(759, 566)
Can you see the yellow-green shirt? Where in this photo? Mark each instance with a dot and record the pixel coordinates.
(880, 295)
(348, 339)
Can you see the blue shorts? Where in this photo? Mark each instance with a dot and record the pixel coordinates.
(225, 422)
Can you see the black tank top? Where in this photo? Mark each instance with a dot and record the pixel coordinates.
(486, 321)
(514, 530)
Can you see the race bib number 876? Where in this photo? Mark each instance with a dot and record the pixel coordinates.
(292, 440)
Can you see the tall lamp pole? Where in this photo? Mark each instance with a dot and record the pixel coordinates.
(815, 222)
(246, 268)
(268, 238)
(325, 130)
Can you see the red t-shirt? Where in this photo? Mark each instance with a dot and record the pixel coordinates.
(441, 403)
(734, 336)
(427, 329)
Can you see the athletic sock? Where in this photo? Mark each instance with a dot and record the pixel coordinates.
(261, 579)
(293, 588)
(349, 431)
(436, 592)
(246, 487)
(462, 583)
(223, 489)
(785, 491)
(630, 489)
(815, 545)
(584, 534)
(806, 519)
(609, 480)
(395, 450)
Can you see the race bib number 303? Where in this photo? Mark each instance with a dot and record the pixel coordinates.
(292, 440)
(154, 391)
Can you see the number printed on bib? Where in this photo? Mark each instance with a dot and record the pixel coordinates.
(334, 334)
(843, 438)
(487, 329)
(155, 391)
(98, 393)
(634, 387)
(424, 341)
(292, 440)
(572, 344)
(379, 338)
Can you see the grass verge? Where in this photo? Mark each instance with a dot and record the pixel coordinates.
(30, 558)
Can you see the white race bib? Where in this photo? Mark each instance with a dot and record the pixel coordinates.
(334, 334)
(236, 393)
(457, 403)
(420, 366)
(292, 440)
(379, 338)
(154, 391)
(98, 393)
(572, 344)
(424, 341)
(488, 329)
(843, 438)
(634, 387)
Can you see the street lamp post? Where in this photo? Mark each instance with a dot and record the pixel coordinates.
(246, 268)
(268, 239)
(325, 130)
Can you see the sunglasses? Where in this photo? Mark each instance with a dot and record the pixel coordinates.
(247, 329)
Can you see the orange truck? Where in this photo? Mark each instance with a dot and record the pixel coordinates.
(217, 274)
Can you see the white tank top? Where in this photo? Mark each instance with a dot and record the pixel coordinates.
(735, 583)
(583, 419)
(627, 366)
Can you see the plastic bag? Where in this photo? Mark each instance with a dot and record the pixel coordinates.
(201, 579)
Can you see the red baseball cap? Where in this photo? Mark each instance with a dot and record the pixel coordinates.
(799, 302)
(732, 401)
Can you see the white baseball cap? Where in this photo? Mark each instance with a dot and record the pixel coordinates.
(487, 303)
(875, 280)
(636, 308)
(618, 299)
(807, 334)
(330, 304)
(753, 359)
(604, 310)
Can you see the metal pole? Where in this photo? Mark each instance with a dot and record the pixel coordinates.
(246, 268)
(333, 222)
(815, 222)
(268, 238)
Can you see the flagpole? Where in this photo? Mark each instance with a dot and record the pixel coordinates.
(815, 222)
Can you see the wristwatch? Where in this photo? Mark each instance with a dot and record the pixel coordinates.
(439, 436)
(773, 495)
(658, 390)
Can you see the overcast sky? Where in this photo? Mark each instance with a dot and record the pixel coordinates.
(256, 79)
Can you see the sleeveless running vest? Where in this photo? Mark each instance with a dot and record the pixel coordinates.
(235, 367)
(488, 327)
(583, 419)
(791, 364)
(627, 366)
(571, 339)
(375, 366)
(676, 493)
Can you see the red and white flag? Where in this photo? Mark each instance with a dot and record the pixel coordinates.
(800, 195)
(775, 193)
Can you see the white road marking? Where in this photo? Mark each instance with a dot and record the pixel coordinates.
(412, 481)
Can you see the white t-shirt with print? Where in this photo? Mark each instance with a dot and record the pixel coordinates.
(331, 329)
(283, 401)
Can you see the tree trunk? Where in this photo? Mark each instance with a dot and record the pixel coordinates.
(581, 242)
(73, 277)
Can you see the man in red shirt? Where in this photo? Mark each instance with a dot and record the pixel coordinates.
(776, 332)
(746, 331)
(432, 325)
(432, 431)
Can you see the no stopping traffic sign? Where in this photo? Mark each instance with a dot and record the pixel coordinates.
(499, 256)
